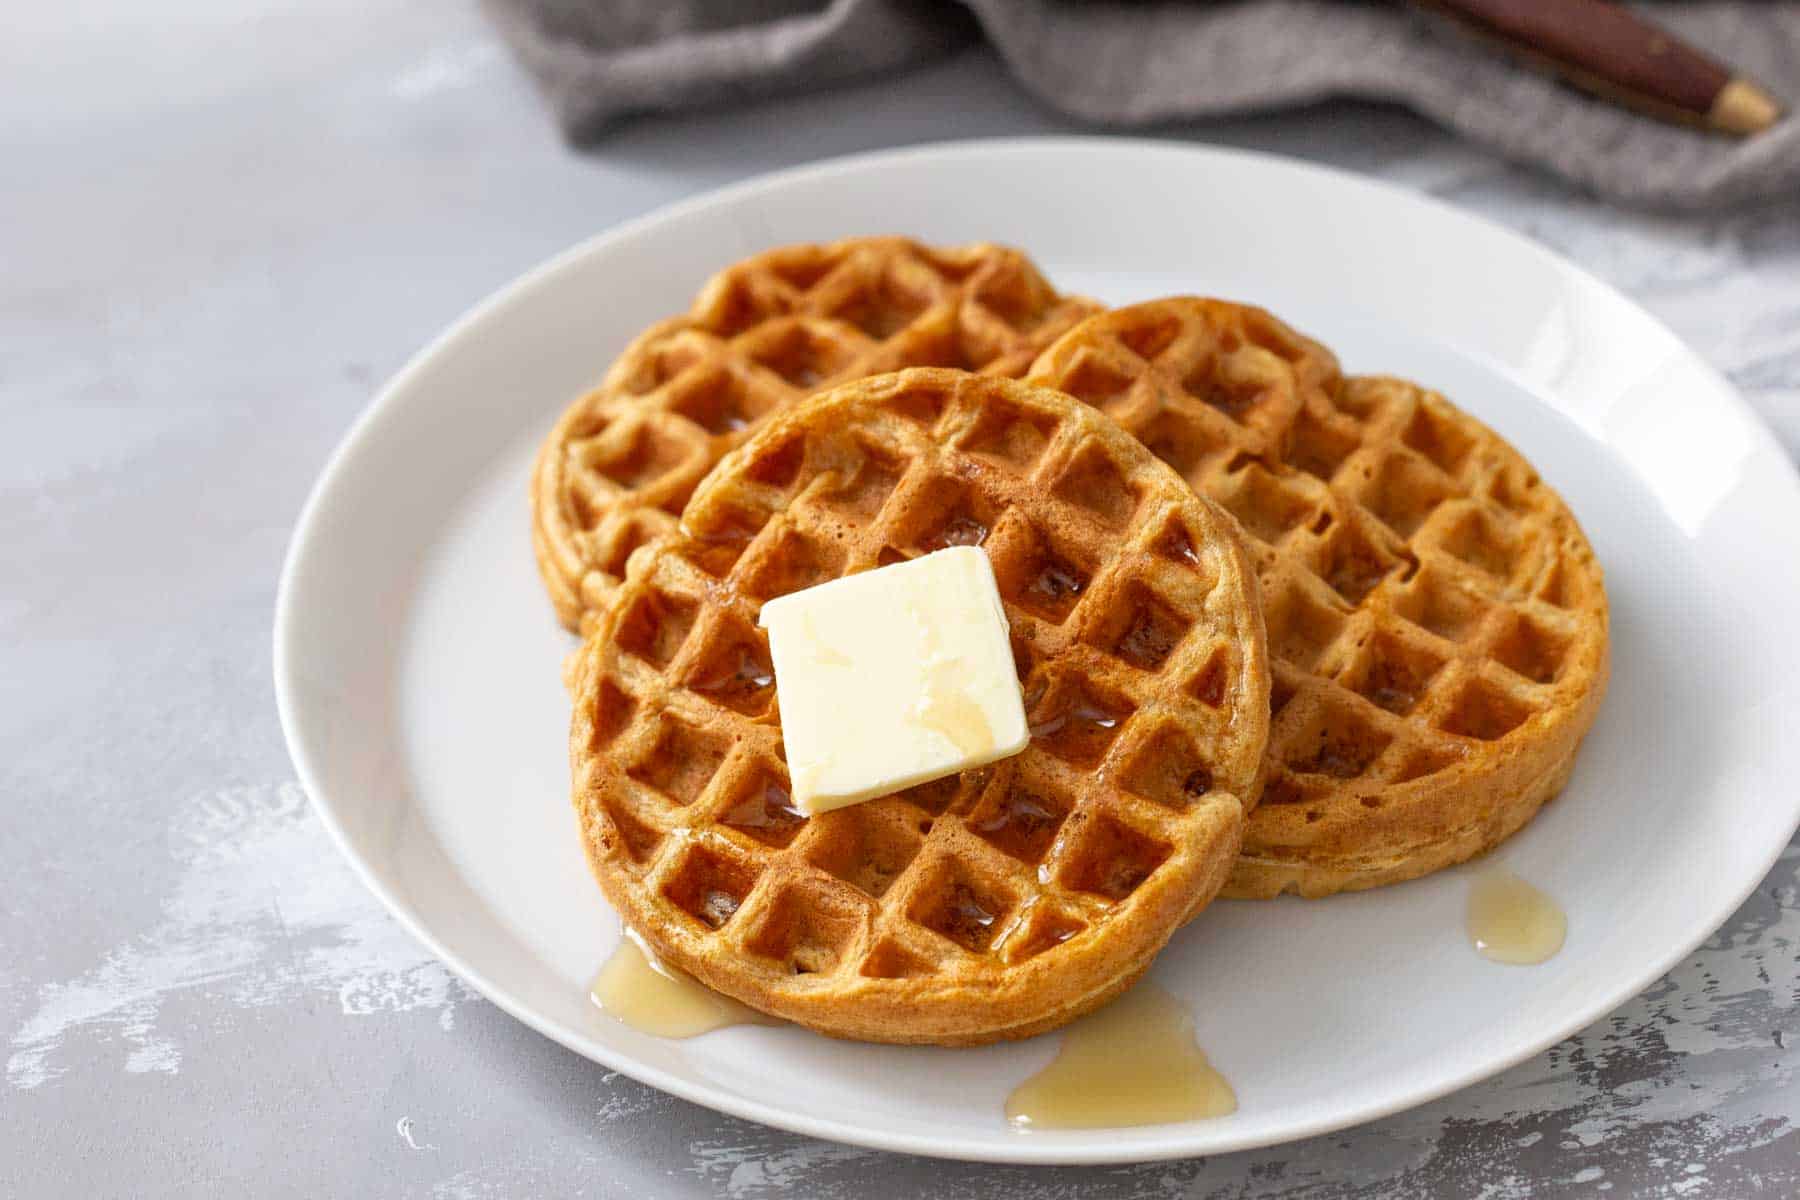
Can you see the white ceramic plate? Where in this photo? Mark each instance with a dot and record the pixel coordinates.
(416, 659)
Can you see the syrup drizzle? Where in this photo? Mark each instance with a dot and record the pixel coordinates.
(1081, 729)
(1135, 1062)
(1510, 921)
(1056, 587)
(637, 990)
(967, 919)
(739, 680)
(1178, 546)
(769, 809)
(1022, 824)
(961, 530)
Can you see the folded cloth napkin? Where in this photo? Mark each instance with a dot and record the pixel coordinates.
(1139, 63)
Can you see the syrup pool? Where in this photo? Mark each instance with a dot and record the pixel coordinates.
(653, 998)
(1135, 1062)
(1511, 921)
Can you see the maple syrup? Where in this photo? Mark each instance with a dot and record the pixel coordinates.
(1179, 546)
(1135, 1062)
(1510, 921)
(736, 683)
(963, 530)
(966, 918)
(1081, 728)
(767, 813)
(651, 997)
(1022, 824)
(1055, 587)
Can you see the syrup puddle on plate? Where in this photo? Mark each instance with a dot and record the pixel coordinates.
(653, 998)
(1135, 1062)
(1510, 921)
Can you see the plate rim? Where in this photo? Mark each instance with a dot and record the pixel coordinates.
(1024, 1149)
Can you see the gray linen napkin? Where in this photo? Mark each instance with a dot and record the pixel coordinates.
(1139, 63)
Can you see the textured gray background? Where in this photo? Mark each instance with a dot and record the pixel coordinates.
(220, 227)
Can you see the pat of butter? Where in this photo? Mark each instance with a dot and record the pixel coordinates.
(893, 677)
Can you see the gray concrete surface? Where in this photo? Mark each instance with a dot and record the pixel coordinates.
(221, 223)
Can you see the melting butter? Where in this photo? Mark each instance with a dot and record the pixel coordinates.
(1135, 1062)
(945, 706)
(652, 997)
(822, 654)
(947, 709)
(892, 677)
(1510, 921)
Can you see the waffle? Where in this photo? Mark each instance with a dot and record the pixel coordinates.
(1436, 618)
(996, 903)
(619, 465)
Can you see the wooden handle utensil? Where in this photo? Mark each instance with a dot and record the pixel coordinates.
(1610, 51)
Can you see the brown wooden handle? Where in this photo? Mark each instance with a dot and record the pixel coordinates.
(1615, 53)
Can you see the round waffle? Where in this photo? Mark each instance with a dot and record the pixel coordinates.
(996, 903)
(1436, 618)
(619, 465)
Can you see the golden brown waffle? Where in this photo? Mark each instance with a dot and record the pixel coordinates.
(619, 465)
(1437, 620)
(997, 903)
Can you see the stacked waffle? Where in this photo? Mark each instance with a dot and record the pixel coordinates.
(1275, 629)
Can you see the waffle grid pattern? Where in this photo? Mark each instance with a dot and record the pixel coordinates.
(621, 463)
(1433, 610)
(994, 903)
